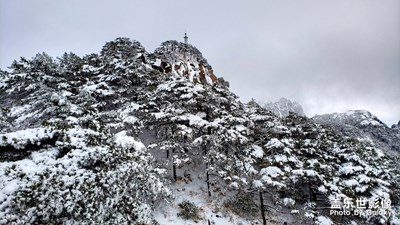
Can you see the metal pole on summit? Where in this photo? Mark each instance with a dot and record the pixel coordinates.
(186, 47)
(186, 38)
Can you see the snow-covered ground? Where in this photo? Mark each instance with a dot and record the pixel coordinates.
(195, 191)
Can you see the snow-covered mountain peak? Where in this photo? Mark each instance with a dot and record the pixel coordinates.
(283, 107)
(362, 118)
(172, 51)
(185, 60)
(364, 125)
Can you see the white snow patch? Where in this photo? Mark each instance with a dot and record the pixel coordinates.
(240, 128)
(362, 178)
(288, 201)
(90, 88)
(130, 120)
(257, 152)
(271, 171)
(105, 92)
(370, 122)
(309, 215)
(308, 173)
(379, 153)
(72, 120)
(125, 141)
(258, 183)
(10, 187)
(350, 183)
(18, 110)
(209, 80)
(20, 138)
(66, 93)
(274, 143)
(312, 162)
(157, 62)
(322, 220)
(159, 115)
(281, 158)
(194, 120)
(348, 168)
(322, 189)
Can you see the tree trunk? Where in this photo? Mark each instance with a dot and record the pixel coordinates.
(208, 182)
(262, 209)
(173, 164)
(313, 197)
(174, 170)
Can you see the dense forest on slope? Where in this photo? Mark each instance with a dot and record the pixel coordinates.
(105, 139)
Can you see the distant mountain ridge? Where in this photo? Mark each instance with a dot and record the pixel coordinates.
(396, 126)
(283, 107)
(363, 124)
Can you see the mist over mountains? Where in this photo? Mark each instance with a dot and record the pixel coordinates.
(283, 107)
(132, 137)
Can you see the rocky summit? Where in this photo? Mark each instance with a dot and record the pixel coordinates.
(131, 137)
(283, 107)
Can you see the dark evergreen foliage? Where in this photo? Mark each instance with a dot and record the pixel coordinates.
(98, 110)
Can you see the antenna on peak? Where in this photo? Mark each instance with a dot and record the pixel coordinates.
(185, 48)
(186, 38)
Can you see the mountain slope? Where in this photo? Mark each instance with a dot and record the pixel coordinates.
(132, 137)
(364, 125)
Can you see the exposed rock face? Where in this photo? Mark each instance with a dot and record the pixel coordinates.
(283, 107)
(184, 59)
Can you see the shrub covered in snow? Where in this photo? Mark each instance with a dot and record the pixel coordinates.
(189, 211)
(112, 183)
(243, 204)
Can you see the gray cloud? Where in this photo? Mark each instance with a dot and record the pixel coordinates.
(329, 56)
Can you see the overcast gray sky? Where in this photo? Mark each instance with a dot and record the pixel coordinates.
(329, 56)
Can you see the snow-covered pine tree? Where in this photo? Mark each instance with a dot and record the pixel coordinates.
(70, 134)
(70, 64)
